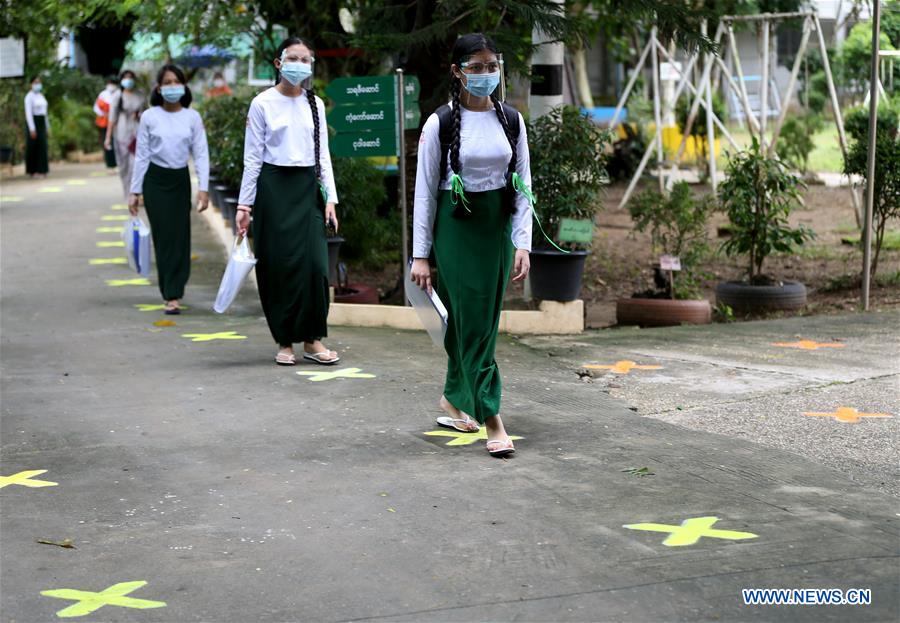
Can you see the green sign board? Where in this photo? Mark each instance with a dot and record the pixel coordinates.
(575, 230)
(371, 89)
(356, 117)
(364, 144)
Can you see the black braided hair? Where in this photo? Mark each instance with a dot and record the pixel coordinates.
(455, 87)
(310, 96)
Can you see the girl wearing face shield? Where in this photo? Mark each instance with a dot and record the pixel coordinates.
(472, 210)
(288, 185)
(170, 132)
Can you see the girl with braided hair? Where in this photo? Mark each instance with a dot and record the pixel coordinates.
(288, 184)
(473, 160)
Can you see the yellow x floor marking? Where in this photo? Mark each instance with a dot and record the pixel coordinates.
(691, 530)
(138, 281)
(846, 414)
(24, 479)
(343, 373)
(463, 439)
(51, 189)
(115, 217)
(99, 261)
(808, 345)
(109, 229)
(12, 199)
(145, 307)
(113, 596)
(620, 367)
(119, 206)
(109, 244)
(76, 182)
(209, 337)
(99, 174)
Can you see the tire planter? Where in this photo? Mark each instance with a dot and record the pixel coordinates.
(744, 298)
(356, 293)
(334, 247)
(556, 276)
(6, 153)
(662, 312)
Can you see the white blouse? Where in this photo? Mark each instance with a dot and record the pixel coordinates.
(35, 104)
(280, 131)
(167, 139)
(484, 155)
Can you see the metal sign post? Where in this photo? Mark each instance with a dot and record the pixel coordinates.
(870, 164)
(401, 164)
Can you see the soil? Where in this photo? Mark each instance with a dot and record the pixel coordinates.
(621, 260)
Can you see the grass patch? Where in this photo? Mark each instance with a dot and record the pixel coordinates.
(825, 156)
(891, 240)
(817, 252)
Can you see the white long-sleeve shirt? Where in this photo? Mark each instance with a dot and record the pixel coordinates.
(35, 104)
(484, 155)
(280, 132)
(167, 139)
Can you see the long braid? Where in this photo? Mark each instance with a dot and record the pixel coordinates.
(455, 86)
(510, 203)
(311, 97)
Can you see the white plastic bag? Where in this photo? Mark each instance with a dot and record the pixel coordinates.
(240, 263)
(430, 309)
(136, 236)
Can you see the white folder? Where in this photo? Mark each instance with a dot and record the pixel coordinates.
(429, 308)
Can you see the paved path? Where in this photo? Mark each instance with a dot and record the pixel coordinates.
(240, 491)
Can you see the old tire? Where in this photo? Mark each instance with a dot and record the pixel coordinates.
(662, 312)
(744, 298)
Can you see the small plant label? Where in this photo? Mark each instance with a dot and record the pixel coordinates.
(576, 230)
(670, 262)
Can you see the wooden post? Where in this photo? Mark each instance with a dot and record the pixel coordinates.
(710, 131)
(870, 164)
(795, 71)
(764, 87)
(656, 104)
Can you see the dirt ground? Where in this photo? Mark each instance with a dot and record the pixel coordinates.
(620, 261)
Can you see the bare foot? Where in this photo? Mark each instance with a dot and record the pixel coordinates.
(495, 429)
(470, 424)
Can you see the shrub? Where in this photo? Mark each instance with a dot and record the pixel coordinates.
(795, 142)
(698, 129)
(72, 127)
(225, 119)
(370, 239)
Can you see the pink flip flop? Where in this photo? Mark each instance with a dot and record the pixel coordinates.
(501, 447)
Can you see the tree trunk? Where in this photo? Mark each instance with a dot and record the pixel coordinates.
(582, 82)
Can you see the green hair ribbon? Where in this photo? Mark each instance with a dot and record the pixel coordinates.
(521, 187)
(323, 191)
(458, 192)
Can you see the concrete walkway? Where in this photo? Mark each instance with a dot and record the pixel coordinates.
(240, 491)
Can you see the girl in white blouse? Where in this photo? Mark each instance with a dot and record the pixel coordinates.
(471, 208)
(36, 158)
(168, 134)
(289, 186)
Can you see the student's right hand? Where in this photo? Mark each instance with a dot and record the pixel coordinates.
(421, 274)
(33, 134)
(133, 203)
(242, 220)
(107, 144)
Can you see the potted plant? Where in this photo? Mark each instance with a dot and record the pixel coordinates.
(678, 229)
(758, 196)
(568, 173)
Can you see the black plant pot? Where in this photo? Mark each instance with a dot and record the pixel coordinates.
(6, 153)
(334, 247)
(556, 276)
(229, 211)
(744, 298)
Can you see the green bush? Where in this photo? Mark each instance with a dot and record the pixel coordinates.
(225, 119)
(370, 239)
(795, 142)
(12, 116)
(567, 168)
(72, 127)
(758, 196)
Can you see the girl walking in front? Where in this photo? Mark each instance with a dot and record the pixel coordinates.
(288, 185)
(468, 211)
(37, 161)
(121, 131)
(168, 134)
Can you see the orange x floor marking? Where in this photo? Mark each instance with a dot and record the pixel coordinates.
(621, 367)
(808, 345)
(846, 414)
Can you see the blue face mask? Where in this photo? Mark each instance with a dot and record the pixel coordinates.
(127, 83)
(172, 93)
(37, 87)
(295, 73)
(482, 85)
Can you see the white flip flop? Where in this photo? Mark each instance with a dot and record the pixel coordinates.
(449, 422)
(317, 357)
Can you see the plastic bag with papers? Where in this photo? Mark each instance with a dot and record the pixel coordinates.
(136, 236)
(430, 309)
(240, 263)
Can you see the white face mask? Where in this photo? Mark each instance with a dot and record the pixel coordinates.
(218, 82)
(110, 88)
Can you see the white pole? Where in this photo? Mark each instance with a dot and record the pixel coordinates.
(546, 63)
(736, 57)
(656, 111)
(795, 71)
(870, 164)
(634, 76)
(710, 130)
(764, 87)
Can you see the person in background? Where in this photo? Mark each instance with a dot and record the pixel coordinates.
(170, 132)
(219, 87)
(121, 132)
(101, 109)
(37, 161)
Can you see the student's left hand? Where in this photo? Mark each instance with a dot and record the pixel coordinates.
(202, 200)
(331, 215)
(521, 265)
